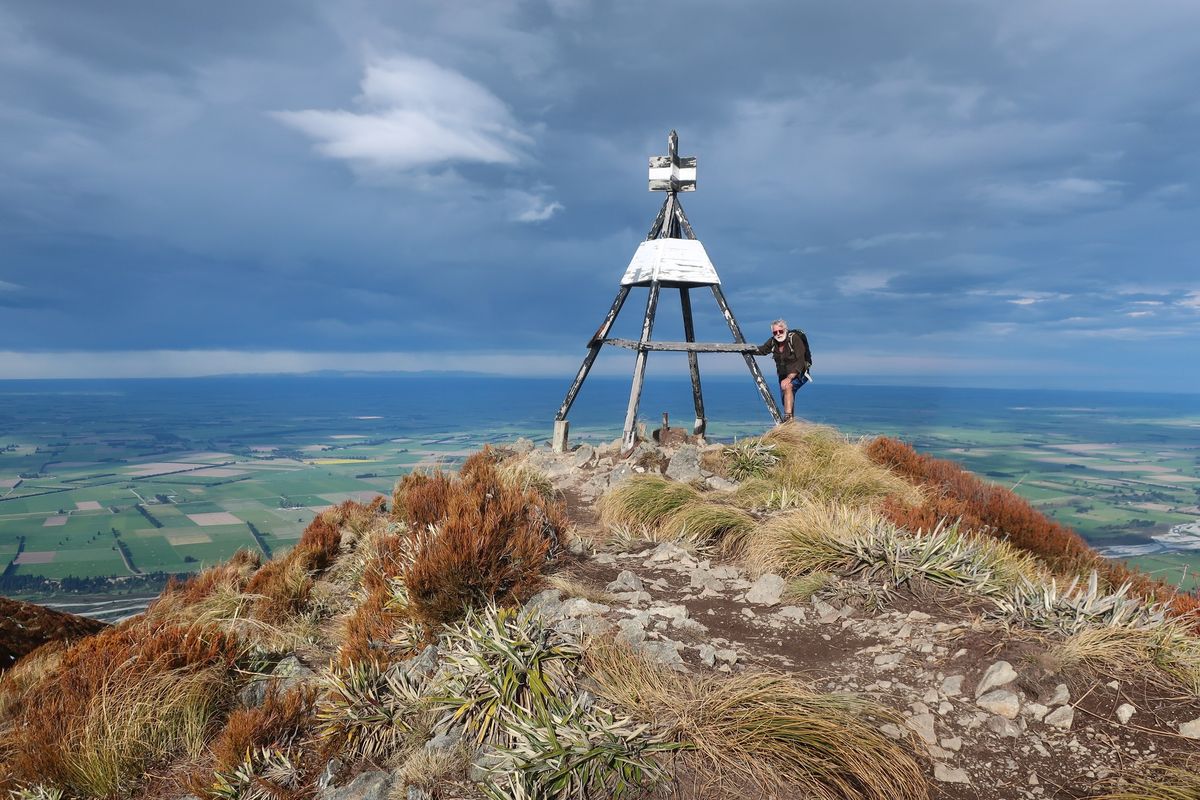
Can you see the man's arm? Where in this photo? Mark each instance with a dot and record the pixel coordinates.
(765, 348)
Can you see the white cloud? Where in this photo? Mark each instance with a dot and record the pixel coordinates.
(1192, 300)
(534, 207)
(1050, 196)
(415, 114)
(5, 286)
(892, 238)
(863, 282)
(1029, 298)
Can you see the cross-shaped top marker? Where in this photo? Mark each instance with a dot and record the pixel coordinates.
(670, 173)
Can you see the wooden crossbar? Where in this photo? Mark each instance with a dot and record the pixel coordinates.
(686, 347)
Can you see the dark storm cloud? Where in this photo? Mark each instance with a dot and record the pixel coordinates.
(933, 182)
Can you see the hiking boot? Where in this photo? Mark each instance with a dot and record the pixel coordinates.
(787, 417)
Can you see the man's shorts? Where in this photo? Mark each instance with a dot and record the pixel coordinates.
(797, 382)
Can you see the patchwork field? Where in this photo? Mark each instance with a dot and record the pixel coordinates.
(128, 479)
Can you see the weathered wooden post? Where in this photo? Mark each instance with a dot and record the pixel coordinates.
(670, 257)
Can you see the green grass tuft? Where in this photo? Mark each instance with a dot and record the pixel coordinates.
(764, 729)
(643, 502)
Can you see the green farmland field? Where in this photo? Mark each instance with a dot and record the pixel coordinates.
(177, 471)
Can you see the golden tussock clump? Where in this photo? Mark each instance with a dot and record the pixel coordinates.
(818, 462)
(763, 729)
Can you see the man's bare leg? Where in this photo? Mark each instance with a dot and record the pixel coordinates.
(789, 396)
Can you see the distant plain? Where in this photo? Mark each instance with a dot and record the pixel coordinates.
(130, 478)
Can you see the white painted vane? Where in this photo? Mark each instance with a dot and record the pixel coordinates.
(682, 261)
(670, 173)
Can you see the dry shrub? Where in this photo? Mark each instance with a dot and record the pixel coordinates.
(27, 672)
(377, 615)
(813, 537)
(429, 769)
(121, 702)
(475, 539)
(765, 729)
(574, 586)
(954, 493)
(284, 721)
(236, 572)
(284, 583)
(712, 460)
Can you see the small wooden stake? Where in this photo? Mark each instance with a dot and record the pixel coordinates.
(559, 442)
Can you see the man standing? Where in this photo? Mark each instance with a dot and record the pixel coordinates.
(792, 360)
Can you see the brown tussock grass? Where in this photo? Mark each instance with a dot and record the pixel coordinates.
(953, 493)
(475, 538)
(120, 702)
(283, 585)
(284, 721)
(234, 572)
(765, 729)
(28, 672)
(377, 615)
(24, 627)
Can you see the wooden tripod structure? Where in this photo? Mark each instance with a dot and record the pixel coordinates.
(671, 257)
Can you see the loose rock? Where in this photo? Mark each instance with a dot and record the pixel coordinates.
(947, 774)
(922, 725)
(685, 464)
(1061, 696)
(1190, 729)
(999, 674)
(766, 591)
(626, 582)
(952, 685)
(1061, 717)
(369, 785)
(1002, 702)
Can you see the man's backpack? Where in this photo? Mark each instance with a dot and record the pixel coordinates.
(807, 349)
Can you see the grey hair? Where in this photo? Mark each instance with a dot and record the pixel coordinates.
(782, 322)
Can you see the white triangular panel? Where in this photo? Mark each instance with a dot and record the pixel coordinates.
(674, 260)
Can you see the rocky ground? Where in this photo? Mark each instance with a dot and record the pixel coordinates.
(996, 719)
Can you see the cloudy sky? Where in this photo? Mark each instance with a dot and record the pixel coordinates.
(938, 192)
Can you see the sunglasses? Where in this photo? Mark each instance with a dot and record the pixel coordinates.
(781, 330)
